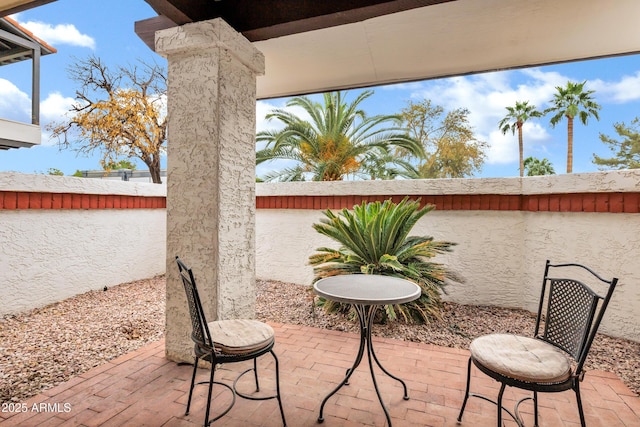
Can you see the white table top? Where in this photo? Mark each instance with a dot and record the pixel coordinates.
(367, 289)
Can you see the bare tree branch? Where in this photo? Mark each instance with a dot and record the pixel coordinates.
(118, 113)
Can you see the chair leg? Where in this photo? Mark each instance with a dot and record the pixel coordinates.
(255, 373)
(502, 387)
(284, 421)
(535, 408)
(206, 414)
(193, 383)
(579, 400)
(466, 393)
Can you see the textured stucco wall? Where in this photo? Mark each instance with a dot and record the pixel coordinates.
(286, 240)
(609, 243)
(612, 181)
(212, 73)
(500, 254)
(12, 181)
(50, 254)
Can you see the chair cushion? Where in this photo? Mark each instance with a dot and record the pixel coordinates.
(521, 358)
(240, 336)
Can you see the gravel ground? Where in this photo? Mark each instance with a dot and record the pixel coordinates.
(50, 345)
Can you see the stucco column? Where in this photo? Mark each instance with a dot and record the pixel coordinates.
(212, 72)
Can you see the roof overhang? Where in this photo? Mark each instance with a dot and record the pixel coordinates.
(375, 42)
(18, 44)
(267, 19)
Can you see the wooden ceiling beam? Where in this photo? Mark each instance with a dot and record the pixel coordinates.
(264, 19)
(146, 29)
(169, 10)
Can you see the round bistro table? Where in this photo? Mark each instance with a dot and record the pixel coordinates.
(366, 292)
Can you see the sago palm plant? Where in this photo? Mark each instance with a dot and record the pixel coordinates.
(375, 239)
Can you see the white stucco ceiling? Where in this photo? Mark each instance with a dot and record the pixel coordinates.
(454, 38)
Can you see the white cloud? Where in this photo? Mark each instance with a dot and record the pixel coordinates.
(503, 148)
(162, 100)
(264, 107)
(55, 107)
(546, 80)
(59, 34)
(535, 131)
(487, 95)
(627, 89)
(14, 104)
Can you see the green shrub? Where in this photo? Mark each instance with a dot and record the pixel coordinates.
(375, 239)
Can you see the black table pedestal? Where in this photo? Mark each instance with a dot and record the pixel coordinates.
(366, 314)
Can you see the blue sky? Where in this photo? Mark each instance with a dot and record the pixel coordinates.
(79, 28)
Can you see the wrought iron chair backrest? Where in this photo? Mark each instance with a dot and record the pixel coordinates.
(573, 312)
(200, 333)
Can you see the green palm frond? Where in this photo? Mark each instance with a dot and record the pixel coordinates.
(285, 175)
(282, 153)
(337, 139)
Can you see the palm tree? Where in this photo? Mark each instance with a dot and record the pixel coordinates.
(339, 140)
(536, 167)
(569, 102)
(514, 120)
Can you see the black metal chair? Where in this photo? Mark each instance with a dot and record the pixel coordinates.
(569, 314)
(235, 341)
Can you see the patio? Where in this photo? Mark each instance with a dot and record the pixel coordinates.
(144, 388)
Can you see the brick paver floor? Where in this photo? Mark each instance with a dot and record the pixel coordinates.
(143, 388)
